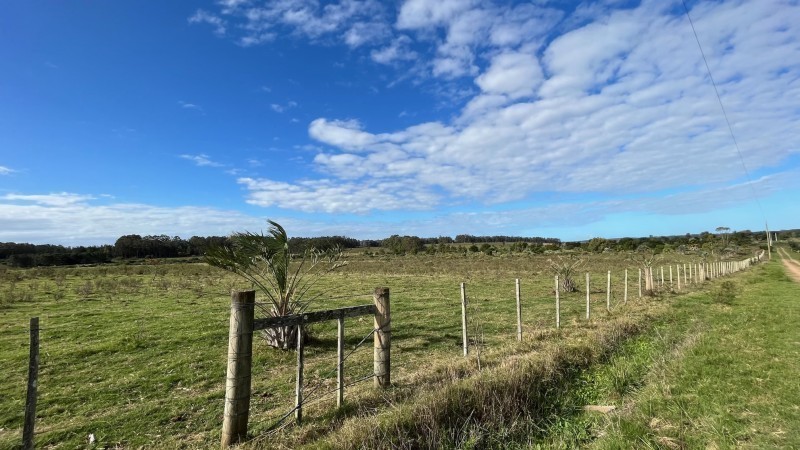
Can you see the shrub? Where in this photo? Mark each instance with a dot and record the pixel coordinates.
(284, 278)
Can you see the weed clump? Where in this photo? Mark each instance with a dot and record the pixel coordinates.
(726, 293)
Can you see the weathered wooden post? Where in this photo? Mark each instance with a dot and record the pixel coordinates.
(588, 301)
(33, 382)
(237, 385)
(625, 297)
(340, 363)
(298, 392)
(662, 276)
(670, 276)
(558, 306)
(464, 318)
(608, 292)
(519, 312)
(678, 272)
(383, 338)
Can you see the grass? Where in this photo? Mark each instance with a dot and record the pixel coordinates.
(725, 375)
(135, 354)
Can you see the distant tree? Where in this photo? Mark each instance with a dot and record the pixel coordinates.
(129, 246)
(724, 234)
(403, 244)
(597, 245)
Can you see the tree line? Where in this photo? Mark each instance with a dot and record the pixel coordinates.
(134, 246)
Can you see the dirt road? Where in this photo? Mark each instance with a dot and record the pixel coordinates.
(791, 264)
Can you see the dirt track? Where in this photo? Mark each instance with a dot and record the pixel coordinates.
(792, 265)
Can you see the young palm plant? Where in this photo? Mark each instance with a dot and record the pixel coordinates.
(566, 268)
(284, 279)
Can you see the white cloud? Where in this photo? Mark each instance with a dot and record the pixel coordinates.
(355, 22)
(70, 219)
(415, 14)
(217, 22)
(6, 171)
(344, 134)
(201, 160)
(513, 74)
(56, 199)
(334, 197)
(281, 108)
(397, 50)
(473, 29)
(362, 33)
(192, 106)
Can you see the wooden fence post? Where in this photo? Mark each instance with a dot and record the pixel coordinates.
(464, 318)
(558, 306)
(33, 380)
(588, 302)
(340, 363)
(519, 313)
(383, 339)
(298, 392)
(670, 276)
(626, 287)
(685, 278)
(678, 273)
(608, 292)
(237, 385)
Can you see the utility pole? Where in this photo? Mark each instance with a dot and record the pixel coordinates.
(769, 242)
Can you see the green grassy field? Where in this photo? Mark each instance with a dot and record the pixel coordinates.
(136, 354)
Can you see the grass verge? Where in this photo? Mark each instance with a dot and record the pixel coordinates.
(731, 380)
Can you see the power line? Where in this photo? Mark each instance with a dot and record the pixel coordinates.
(724, 113)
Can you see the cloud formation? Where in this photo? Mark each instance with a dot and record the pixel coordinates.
(80, 219)
(603, 100)
(74, 219)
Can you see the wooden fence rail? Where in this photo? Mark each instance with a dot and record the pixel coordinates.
(240, 346)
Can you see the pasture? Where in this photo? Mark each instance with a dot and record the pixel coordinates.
(135, 355)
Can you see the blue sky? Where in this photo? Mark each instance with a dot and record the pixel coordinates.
(367, 118)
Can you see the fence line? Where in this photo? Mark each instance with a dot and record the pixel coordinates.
(700, 269)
